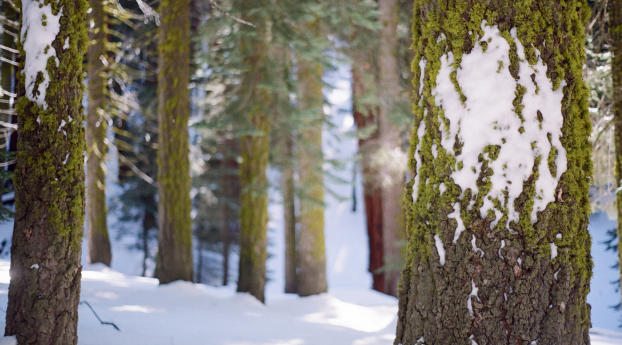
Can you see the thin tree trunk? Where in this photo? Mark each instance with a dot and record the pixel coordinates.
(289, 213)
(49, 180)
(615, 30)
(255, 155)
(389, 142)
(225, 239)
(366, 120)
(311, 254)
(498, 207)
(175, 241)
(97, 229)
(7, 77)
(149, 223)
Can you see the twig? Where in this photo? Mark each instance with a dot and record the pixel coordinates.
(98, 319)
(226, 13)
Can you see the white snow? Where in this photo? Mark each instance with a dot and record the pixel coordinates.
(501, 247)
(66, 44)
(456, 215)
(490, 91)
(37, 41)
(473, 293)
(553, 251)
(476, 249)
(8, 340)
(440, 249)
(420, 133)
(34, 266)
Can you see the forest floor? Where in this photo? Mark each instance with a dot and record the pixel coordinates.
(194, 314)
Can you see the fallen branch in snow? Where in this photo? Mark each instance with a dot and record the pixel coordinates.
(97, 316)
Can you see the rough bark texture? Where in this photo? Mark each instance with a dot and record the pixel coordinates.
(615, 30)
(49, 185)
(526, 294)
(289, 214)
(175, 240)
(389, 141)
(366, 122)
(255, 153)
(97, 229)
(310, 242)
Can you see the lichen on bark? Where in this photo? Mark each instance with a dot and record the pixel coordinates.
(49, 192)
(500, 283)
(174, 261)
(96, 126)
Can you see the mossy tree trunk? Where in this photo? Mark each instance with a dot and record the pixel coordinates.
(96, 125)
(365, 117)
(49, 180)
(311, 252)
(615, 30)
(255, 149)
(174, 260)
(389, 143)
(498, 247)
(289, 212)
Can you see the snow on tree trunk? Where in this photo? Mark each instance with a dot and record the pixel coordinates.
(49, 180)
(615, 30)
(363, 77)
(174, 260)
(498, 203)
(255, 150)
(389, 145)
(96, 125)
(311, 254)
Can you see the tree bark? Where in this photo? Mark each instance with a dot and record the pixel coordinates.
(49, 182)
(311, 254)
(366, 120)
(289, 214)
(96, 125)
(389, 142)
(498, 239)
(255, 154)
(615, 30)
(175, 240)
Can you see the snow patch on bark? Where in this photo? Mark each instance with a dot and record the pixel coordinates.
(420, 133)
(39, 29)
(484, 78)
(440, 249)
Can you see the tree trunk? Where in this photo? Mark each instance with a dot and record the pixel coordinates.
(97, 229)
(8, 78)
(255, 154)
(49, 180)
(149, 223)
(498, 207)
(389, 143)
(289, 213)
(225, 239)
(311, 248)
(615, 30)
(175, 240)
(366, 120)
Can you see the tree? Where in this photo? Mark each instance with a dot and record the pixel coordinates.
(96, 125)
(174, 260)
(49, 180)
(615, 30)
(389, 144)
(311, 255)
(366, 118)
(498, 207)
(255, 147)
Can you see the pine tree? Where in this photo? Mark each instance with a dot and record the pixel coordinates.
(498, 208)
(97, 228)
(311, 255)
(615, 31)
(389, 143)
(253, 45)
(366, 118)
(174, 260)
(49, 180)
